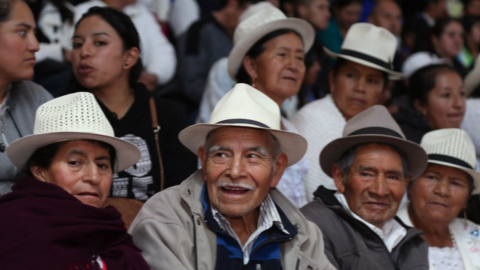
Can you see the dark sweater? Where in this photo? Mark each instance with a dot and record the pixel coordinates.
(142, 180)
(350, 244)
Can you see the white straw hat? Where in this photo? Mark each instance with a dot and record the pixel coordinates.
(452, 147)
(371, 46)
(245, 106)
(259, 20)
(72, 117)
(421, 59)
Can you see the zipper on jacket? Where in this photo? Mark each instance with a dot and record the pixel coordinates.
(269, 241)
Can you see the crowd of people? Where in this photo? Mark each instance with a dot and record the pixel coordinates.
(240, 134)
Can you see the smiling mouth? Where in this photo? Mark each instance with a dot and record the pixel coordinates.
(234, 190)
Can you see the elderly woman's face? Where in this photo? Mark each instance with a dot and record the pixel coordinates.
(279, 70)
(446, 104)
(82, 168)
(98, 58)
(18, 44)
(439, 194)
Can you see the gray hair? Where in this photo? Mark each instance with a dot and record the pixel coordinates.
(348, 158)
(274, 150)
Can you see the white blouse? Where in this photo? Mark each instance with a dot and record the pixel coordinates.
(447, 258)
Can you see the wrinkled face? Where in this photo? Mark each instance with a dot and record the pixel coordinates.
(98, 57)
(446, 104)
(349, 15)
(375, 184)
(439, 194)
(355, 88)
(389, 16)
(317, 13)
(279, 70)
(451, 41)
(239, 170)
(81, 168)
(18, 44)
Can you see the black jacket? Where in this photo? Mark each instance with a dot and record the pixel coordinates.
(142, 180)
(350, 244)
(412, 123)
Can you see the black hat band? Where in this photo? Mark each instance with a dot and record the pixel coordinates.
(376, 131)
(368, 58)
(243, 121)
(450, 159)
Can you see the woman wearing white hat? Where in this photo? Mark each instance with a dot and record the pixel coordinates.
(440, 194)
(357, 82)
(53, 216)
(269, 54)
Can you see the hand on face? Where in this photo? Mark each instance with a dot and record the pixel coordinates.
(438, 195)
(375, 183)
(239, 169)
(82, 168)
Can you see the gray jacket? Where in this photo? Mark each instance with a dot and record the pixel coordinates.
(172, 233)
(17, 117)
(350, 244)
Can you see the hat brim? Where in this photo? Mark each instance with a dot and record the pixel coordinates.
(240, 49)
(392, 75)
(474, 174)
(22, 149)
(292, 144)
(414, 153)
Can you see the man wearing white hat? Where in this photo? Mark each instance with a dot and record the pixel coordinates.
(357, 81)
(228, 215)
(371, 165)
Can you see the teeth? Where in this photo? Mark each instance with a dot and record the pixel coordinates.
(232, 188)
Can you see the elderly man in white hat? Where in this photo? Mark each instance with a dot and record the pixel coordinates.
(371, 166)
(228, 215)
(357, 82)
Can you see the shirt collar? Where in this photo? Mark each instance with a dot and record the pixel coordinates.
(268, 217)
(391, 233)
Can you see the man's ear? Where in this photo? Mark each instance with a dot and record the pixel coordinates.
(281, 163)
(202, 155)
(38, 173)
(337, 175)
(131, 57)
(250, 66)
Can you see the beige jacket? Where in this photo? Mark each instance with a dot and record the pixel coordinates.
(171, 230)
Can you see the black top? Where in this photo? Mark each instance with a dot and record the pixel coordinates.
(142, 180)
(412, 123)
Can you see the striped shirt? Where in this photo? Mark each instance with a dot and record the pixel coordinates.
(268, 217)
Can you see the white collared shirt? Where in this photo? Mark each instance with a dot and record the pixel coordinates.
(391, 233)
(268, 217)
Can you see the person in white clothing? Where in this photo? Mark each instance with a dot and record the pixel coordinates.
(158, 55)
(357, 81)
(440, 194)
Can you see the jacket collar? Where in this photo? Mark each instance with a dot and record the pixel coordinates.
(327, 198)
(191, 194)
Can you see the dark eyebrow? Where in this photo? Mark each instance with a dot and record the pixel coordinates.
(103, 158)
(288, 49)
(26, 25)
(94, 34)
(77, 152)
